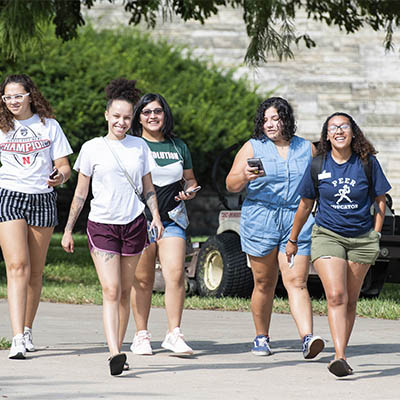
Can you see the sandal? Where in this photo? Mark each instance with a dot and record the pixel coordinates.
(340, 368)
(117, 363)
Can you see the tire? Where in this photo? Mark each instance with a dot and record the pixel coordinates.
(374, 280)
(222, 268)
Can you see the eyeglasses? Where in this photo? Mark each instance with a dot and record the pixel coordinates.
(333, 128)
(156, 111)
(19, 97)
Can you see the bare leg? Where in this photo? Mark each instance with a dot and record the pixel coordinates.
(14, 244)
(333, 273)
(171, 251)
(265, 273)
(39, 240)
(128, 265)
(108, 269)
(355, 277)
(295, 281)
(142, 288)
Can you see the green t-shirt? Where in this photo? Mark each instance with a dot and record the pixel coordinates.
(172, 156)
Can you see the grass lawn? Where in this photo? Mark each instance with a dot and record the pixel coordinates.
(71, 278)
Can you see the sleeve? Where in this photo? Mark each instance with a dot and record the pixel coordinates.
(306, 185)
(84, 163)
(60, 145)
(380, 184)
(187, 158)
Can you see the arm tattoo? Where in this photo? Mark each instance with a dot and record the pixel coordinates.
(76, 208)
(151, 201)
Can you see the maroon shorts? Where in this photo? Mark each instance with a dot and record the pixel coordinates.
(126, 240)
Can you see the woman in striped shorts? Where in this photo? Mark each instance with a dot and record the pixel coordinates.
(33, 155)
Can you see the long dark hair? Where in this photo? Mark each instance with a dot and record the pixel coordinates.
(168, 125)
(39, 105)
(285, 113)
(359, 143)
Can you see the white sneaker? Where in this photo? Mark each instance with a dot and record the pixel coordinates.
(175, 342)
(141, 344)
(17, 351)
(29, 339)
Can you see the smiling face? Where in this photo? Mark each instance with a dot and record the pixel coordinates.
(339, 132)
(152, 119)
(119, 117)
(273, 125)
(19, 106)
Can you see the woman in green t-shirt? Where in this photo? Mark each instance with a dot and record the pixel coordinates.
(174, 181)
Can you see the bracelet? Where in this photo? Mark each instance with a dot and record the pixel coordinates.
(292, 241)
(62, 176)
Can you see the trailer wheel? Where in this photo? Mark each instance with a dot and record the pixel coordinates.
(222, 268)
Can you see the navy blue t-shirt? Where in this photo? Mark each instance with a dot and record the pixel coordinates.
(344, 203)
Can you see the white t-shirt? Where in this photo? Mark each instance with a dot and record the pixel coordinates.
(114, 200)
(27, 154)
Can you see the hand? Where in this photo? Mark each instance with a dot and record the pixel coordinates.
(187, 194)
(291, 250)
(252, 173)
(56, 178)
(158, 225)
(67, 242)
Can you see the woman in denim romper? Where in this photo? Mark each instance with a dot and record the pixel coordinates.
(267, 217)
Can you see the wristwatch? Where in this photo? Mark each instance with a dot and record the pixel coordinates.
(292, 241)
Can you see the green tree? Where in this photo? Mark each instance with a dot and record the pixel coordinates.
(270, 24)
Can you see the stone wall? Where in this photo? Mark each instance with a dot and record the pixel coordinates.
(348, 73)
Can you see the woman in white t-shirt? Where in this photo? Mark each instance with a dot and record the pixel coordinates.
(33, 155)
(118, 166)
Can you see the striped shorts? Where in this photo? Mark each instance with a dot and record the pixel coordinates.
(36, 209)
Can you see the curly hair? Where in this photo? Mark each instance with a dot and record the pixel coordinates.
(122, 89)
(39, 105)
(168, 124)
(359, 144)
(285, 113)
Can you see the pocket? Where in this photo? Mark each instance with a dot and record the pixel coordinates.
(179, 215)
(315, 231)
(374, 235)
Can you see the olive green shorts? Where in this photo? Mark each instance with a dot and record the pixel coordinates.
(363, 249)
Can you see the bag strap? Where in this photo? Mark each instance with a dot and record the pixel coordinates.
(317, 164)
(130, 180)
(367, 165)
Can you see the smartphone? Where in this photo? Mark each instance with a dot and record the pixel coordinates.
(53, 174)
(154, 233)
(255, 162)
(194, 190)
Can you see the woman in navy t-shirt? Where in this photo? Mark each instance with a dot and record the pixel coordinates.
(345, 238)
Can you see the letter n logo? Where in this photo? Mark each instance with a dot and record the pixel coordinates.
(26, 160)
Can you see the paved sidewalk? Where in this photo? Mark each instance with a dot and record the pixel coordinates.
(71, 362)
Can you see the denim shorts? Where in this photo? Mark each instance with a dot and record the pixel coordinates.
(127, 240)
(38, 209)
(263, 228)
(171, 229)
(363, 249)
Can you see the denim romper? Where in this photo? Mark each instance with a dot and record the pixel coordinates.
(272, 200)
